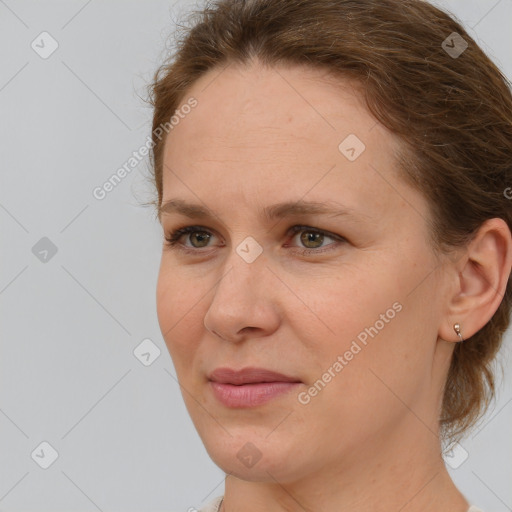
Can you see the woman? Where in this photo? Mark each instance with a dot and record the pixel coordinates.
(331, 180)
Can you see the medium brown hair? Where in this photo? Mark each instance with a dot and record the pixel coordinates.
(451, 114)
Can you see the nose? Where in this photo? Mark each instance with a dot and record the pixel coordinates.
(245, 301)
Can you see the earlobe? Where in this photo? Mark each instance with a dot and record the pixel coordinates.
(482, 276)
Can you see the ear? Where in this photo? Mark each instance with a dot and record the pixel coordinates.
(480, 278)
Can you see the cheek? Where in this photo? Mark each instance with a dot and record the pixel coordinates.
(375, 324)
(386, 363)
(179, 315)
(351, 303)
(362, 387)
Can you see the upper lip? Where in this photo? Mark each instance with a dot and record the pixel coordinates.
(248, 375)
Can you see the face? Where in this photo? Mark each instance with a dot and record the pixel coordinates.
(344, 302)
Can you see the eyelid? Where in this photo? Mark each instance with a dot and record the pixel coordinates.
(297, 228)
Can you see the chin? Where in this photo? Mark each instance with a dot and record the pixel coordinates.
(255, 456)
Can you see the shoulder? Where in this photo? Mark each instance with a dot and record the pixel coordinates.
(214, 505)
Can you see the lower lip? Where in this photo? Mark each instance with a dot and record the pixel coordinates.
(250, 395)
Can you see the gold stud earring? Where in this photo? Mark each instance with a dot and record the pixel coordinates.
(457, 330)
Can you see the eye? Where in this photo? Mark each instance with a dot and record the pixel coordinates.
(201, 236)
(312, 239)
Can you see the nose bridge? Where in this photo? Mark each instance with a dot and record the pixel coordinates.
(241, 298)
(245, 268)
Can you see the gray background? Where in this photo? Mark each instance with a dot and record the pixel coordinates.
(69, 325)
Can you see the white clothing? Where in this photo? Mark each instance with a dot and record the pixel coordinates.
(214, 505)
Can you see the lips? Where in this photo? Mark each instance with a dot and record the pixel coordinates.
(249, 375)
(249, 387)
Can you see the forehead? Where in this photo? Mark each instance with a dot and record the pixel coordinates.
(243, 103)
(259, 132)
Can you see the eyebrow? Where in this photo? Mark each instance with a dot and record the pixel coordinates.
(270, 213)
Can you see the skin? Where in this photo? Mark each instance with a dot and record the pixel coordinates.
(369, 439)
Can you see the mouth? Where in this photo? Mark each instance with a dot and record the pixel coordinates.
(248, 376)
(249, 387)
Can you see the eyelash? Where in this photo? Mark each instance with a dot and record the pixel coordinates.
(173, 237)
